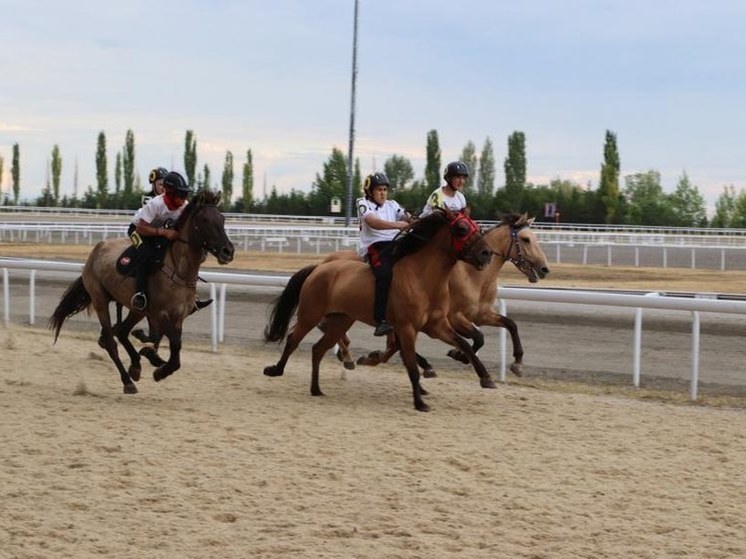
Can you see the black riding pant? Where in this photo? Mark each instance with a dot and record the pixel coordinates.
(379, 258)
(150, 254)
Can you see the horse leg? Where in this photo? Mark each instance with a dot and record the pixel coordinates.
(154, 337)
(442, 330)
(291, 344)
(467, 329)
(107, 342)
(122, 334)
(173, 333)
(377, 357)
(336, 326)
(406, 339)
(424, 364)
(343, 352)
(509, 324)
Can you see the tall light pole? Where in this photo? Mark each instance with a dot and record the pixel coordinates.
(350, 164)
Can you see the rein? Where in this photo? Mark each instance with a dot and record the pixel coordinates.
(172, 274)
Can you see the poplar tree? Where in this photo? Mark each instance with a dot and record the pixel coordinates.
(486, 175)
(190, 156)
(247, 183)
(15, 173)
(102, 178)
(206, 175)
(515, 170)
(608, 186)
(226, 181)
(56, 174)
(118, 173)
(469, 156)
(128, 164)
(432, 166)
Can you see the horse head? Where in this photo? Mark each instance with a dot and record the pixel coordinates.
(202, 224)
(467, 239)
(520, 246)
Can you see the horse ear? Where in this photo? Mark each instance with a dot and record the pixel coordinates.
(530, 221)
(201, 198)
(217, 197)
(522, 219)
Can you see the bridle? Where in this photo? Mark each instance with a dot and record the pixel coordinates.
(461, 244)
(519, 260)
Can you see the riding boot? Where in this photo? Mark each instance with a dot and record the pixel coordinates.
(139, 299)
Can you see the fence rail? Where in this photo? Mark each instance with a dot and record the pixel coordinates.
(694, 304)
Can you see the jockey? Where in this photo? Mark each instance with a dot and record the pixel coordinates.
(450, 194)
(155, 178)
(147, 229)
(380, 221)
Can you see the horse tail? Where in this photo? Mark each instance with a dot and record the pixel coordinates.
(284, 306)
(74, 300)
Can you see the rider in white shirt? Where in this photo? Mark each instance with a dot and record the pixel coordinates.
(450, 194)
(380, 221)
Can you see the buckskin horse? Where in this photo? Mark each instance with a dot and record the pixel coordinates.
(473, 292)
(172, 288)
(341, 291)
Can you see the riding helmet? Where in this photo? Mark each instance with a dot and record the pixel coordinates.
(456, 169)
(372, 181)
(157, 173)
(176, 181)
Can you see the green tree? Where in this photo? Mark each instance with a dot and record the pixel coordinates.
(687, 204)
(118, 174)
(206, 177)
(739, 210)
(646, 202)
(56, 174)
(226, 182)
(247, 183)
(102, 177)
(128, 164)
(399, 171)
(331, 185)
(15, 173)
(190, 156)
(432, 165)
(469, 156)
(486, 175)
(725, 208)
(515, 170)
(608, 186)
(2, 169)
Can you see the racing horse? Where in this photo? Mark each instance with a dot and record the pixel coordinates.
(341, 291)
(201, 228)
(473, 292)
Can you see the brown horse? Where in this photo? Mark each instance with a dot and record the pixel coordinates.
(342, 291)
(473, 292)
(172, 289)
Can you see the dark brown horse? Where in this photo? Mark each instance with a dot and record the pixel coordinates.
(473, 292)
(342, 292)
(172, 289)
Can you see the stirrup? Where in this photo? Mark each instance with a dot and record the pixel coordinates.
(139, 301)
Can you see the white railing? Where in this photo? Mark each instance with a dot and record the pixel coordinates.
(695, 305)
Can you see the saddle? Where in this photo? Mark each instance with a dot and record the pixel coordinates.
(126, 263)
(151, 257)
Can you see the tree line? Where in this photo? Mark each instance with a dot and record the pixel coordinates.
(638, 199)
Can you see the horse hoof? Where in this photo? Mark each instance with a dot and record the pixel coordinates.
(422, 406)
(130, 388)
(317, 393)
(487, 383)
(159, 374)
(517, 369)
(349, 365)
(134, 373)
(273, 371)
(429, 373)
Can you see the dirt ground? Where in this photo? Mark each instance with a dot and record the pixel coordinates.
(220, 461)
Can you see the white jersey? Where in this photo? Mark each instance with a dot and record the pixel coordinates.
(389, 211)
(438, 199)
(156, 212)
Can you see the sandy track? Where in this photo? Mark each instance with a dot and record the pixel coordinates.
(220, 461)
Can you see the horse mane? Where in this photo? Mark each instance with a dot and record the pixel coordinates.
(201, 198)
(512, 219)
(418, 235)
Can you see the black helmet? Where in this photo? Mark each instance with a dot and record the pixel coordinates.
(176, 181)
(372, 181)
(456, 169)
(157, 173)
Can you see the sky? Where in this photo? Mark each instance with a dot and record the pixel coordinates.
(668, 77)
